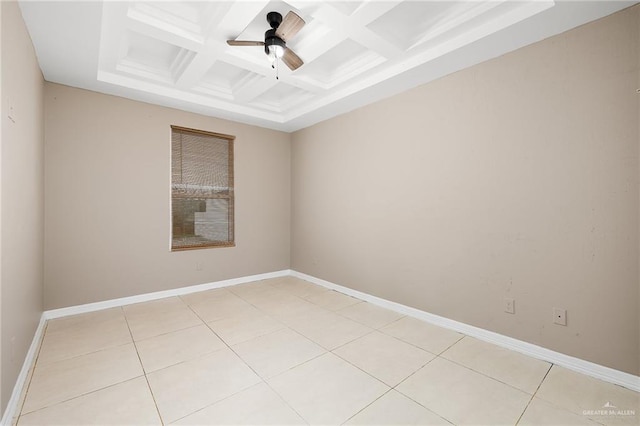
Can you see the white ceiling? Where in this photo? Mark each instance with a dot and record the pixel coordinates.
(355, 52)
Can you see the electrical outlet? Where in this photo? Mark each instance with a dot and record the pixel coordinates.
(559, 316)
(198, 266)
(509, 305)
(13, 349)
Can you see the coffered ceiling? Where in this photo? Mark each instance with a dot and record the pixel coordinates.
(354, 52)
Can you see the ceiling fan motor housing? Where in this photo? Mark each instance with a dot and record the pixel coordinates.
(271, 39)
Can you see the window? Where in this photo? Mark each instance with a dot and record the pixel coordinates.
(201, 189)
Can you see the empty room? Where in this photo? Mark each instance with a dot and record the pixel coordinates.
(280, 212)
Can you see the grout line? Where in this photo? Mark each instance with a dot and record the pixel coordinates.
(373, 330)
(144, 371)
(377, 328)
(392, 322)
(84, 394)
(63, 360)
(367, 406)
(553, 404)
(410, 343)
(263, 380)
(534, 394)
(413, 374)
(165, 333)
(451, 345)
(86, 353)
(351, 341)
(484, 374)
(417, 402)
(326, 350)
(33, 373)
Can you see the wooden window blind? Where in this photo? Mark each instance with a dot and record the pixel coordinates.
(202, 198)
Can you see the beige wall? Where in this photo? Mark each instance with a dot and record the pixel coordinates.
(107, 218)
(515, 178)
(22, 195)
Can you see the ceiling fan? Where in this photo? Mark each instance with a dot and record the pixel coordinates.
(275, 39)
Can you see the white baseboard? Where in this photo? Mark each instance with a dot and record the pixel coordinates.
(576, 364)
(12, 406)
(123, 301)
(581, 366)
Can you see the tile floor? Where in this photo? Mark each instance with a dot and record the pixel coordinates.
(284, 351)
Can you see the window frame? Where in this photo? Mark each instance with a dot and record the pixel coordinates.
(231, 190)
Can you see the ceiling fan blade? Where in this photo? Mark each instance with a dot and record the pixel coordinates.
(290, 26)
(244, 43)
(291, 60)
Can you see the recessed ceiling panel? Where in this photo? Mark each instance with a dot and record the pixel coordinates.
(224, 74)
(149, 51)
(184, 14)
(341, 63)
(408, 22)
(223, 78)
(346, 7)
(175, 53)
(153, 59)
(281, 97)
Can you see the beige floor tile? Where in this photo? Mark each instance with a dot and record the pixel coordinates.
(394, 408)
(214, 309)
(327, 390)
(184, 388)
(276, 280)
(541, 413)
(154, 306)
(266, 298)
(127, 403)
(285, 305)
(58, 381)
(386, 358)
(250, 289)
(276, 352)
(249, 325)
(178, 346)
(421, 334)
(23, 397)
(80, 338)
(579, 393)
(299, 287)
(95, 317)
(370, 315)
(265, 295)
(463, 396)
(161, 316)
(258, 405)
(512, 368)
(332, 300)
(284, 279)
(200, 296)
(327, 329)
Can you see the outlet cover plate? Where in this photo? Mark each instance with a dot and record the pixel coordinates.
(509, 305)
(559, 316)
